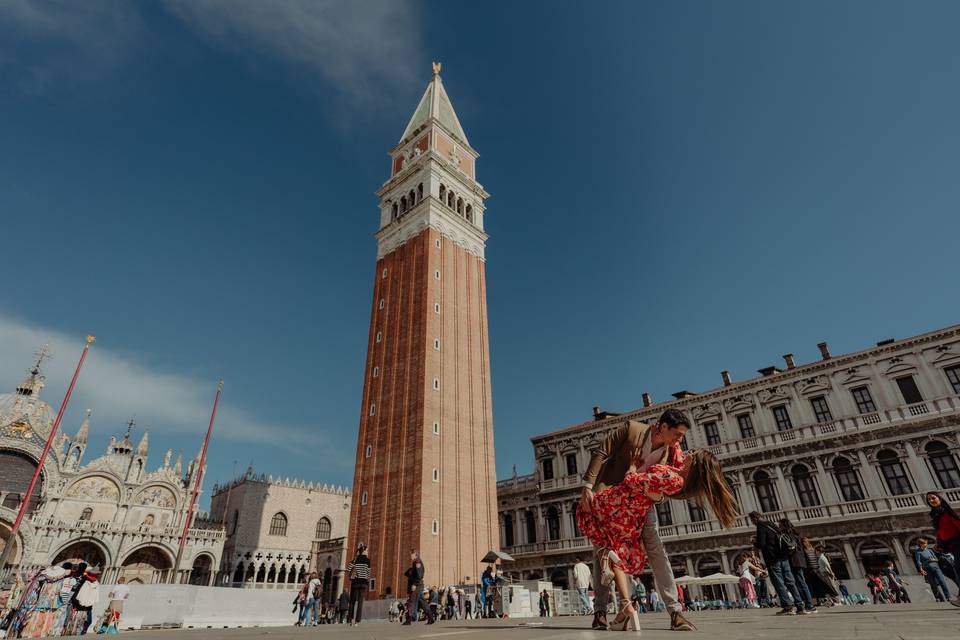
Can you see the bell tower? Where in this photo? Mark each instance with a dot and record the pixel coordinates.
(425, 476)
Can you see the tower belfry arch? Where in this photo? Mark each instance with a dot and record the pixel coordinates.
(425, 477)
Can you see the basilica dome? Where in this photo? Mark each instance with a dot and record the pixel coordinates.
(23, 415)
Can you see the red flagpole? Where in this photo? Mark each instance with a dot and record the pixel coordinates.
(8, 549)
(196, 483)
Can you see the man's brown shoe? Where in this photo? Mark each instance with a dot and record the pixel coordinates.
(600, 620)
(679, 623)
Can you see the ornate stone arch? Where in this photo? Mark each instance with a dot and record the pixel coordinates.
(159, 494)
(51, 478)
(75, 545)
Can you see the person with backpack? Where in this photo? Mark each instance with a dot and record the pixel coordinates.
(776, 549)
(798, 562)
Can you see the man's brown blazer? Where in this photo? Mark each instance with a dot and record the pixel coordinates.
(610, 462)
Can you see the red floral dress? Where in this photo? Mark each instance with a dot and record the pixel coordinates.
(616, 519)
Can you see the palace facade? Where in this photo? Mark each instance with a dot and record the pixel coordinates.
(845, 447)
(111, 513)
(279, 530)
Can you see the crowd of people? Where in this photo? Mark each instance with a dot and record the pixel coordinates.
(59, 601)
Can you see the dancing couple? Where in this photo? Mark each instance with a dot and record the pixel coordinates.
(635, 468)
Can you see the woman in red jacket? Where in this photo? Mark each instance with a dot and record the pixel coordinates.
(947, 525)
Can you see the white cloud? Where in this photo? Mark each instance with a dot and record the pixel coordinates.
(117, 386)
(355, 51)
(61, 41)
(356, 47)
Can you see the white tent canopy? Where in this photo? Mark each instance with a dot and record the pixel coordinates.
(718, 578)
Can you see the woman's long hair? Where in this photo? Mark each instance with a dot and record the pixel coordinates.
(706, 481)
(937, 512)
(787, 527)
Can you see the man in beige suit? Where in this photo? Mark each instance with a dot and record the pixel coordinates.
(608, 466)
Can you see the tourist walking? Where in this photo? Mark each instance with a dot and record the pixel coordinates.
(820, 576)
(486, 601)
(928, 565)
(312, 593)
(748, 576)
(946, 523)
(467, 608)
(544, 604)
(777, 549)
(359, 573)
(414, 575)
(763, 592)
(111, 619)
(84, 600)
(343, 606)
(639, 594)
(798, 562)
(875, 585)
(581, 577)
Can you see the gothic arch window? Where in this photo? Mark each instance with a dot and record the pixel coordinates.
(553, 524)
(278, 524)
(806, 486)
(944, 465)
(323, 529)
(403, 204)
(87, 514)
(531, 525)
(847, 480)
(238, 574)
(450, 199)
(419, 192)
(460, 206)
(443, 193)
(508, 530)
(469, 213)
(393, 215)
(766, 494)
(893, 473)
(412, 198)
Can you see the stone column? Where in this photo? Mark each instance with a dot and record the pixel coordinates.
(853, 563)
(747, 499)
(565, 529)
(690, 572)
(920, 470)
(868, 473)
(903, 564)
(787, 498)
(725, 563)
(828, 489)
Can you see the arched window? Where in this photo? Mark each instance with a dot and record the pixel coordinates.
(419, 192)
(806, 487)
(393, 215)
(847, 480)
(412, 198)
(403, 204)
(278, 525)
(944, 465)
(469, 213)
(460, 206)
(87, 514)
(893, 472)
(450, 199)
(323, 529)
(766, 495)
(12, 501)
(443, 193)
(531, 524)
(553, 524)
(508, 530)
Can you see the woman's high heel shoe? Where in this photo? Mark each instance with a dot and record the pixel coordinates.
(627, 619)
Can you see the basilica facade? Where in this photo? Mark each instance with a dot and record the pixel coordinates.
(111, 512)
(845, 447)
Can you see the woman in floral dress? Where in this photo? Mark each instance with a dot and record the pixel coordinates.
(615, 521)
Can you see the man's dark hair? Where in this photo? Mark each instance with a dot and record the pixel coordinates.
(673, 419)
(755, 515)
(67, 565)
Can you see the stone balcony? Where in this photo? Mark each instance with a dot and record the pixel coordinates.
(888, 505)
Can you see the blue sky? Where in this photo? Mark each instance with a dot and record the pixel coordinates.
(678, 188)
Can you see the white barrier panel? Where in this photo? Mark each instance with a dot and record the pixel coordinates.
(181, 605)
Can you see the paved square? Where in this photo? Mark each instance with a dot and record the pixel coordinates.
(887, 622)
